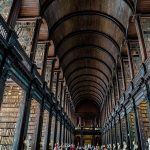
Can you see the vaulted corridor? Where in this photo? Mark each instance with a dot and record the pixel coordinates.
(74, 73)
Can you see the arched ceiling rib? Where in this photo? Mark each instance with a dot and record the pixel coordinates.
(87, 36)
(80, 78)
(88, 92)
(78, 48)
(85, 87)
(88, 81)
(85, 96)
(86, 60)
(87, 13)
(90, 69)
(45, 4)
(78, 33)
(83, 99)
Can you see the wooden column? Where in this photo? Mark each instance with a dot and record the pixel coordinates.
(24, 117)
(81, 139)
(4, 55)
(64, 102)
(40, 121)
(14, 12)
(61, 92)
(127, 129)
(52, 73)
(113, 86)
(45, 60)
(35, 38)
(137, 125)
(121, 144)
(123, 74)
(115, 133)
(57, 84)
(55, 130)
(130, 59)
(3, 77)
(117, 81)
(64, 136)
(60, 131)
(3, 74)
(140, 38)
(49, 128)
(111, 135)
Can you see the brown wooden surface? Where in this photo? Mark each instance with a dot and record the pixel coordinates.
(86, 55)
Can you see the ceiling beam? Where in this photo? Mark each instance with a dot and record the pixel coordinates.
(83, 32)
(92, 46)
(86, 13)
(86, 76)
(75, 91)
(87, 96)
(84, 81)
(90, 68)
(84, 58)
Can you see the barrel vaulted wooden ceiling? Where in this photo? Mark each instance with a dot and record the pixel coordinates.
(87, 35)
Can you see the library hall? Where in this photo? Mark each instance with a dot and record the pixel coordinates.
(74, 74)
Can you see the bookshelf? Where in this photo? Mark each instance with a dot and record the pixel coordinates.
(136, 57)
(58, 131)
(124, 130)
(144, 122)
(132, 128)
(33, 122)
(145, 24)
(52, 131)
(9, 113)
(44, 129)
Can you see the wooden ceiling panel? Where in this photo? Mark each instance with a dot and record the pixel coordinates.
(79, 40)
(88, 79)
(143, 6)
(87, 71)
(29, 8)
(65, 7)
(87, 53)
(88, 23)
(87, 36)
(88, 84)
(87, 63)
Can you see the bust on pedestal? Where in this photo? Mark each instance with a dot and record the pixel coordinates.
(135, 146)
(118, 146)
(114, 146)
(124, 145)
(27, 142)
